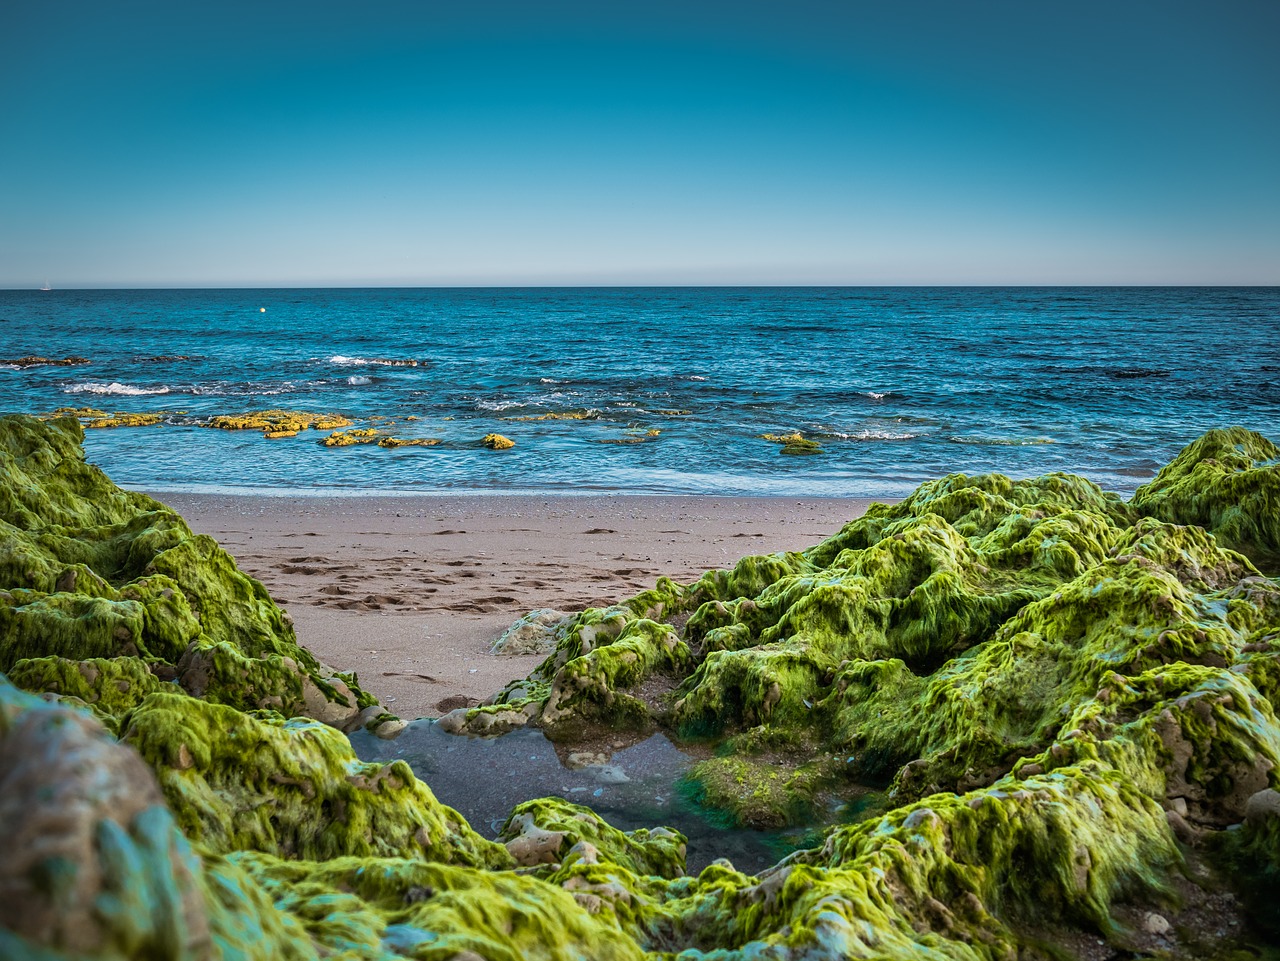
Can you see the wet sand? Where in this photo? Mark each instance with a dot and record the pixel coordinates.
(410, 592)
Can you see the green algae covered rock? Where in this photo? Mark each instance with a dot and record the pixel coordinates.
(930, 644)
(394, 908)
(1063, 704)
(110, 687)
(293, 788)
(549, 831)
(91, 573)
(985, 639)
(1227, 482)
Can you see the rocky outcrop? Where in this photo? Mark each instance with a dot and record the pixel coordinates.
(1064, 706)
(115, 582)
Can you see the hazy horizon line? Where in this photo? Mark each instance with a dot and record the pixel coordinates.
(650, 286)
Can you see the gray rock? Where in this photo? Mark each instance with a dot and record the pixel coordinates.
(538, 632)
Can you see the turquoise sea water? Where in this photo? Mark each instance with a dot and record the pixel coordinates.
(897, 384)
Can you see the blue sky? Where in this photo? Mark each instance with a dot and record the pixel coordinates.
(925, 142)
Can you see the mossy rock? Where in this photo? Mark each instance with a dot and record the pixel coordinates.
(110, 687)
(934, 644)
(387, 908)
(758, 792)
(89, 571)
(1063, 694)
(1227, 482)
(277, 422)
(293, 788)
(549, 831)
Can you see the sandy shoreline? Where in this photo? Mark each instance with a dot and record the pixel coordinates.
(410, 592)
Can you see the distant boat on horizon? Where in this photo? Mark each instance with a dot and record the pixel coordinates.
(46, 286)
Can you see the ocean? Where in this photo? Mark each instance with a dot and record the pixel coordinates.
(657, 390)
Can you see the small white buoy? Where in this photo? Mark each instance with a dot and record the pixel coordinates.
(262, 310)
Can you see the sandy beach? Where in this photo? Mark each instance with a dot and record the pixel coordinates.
(411, 592)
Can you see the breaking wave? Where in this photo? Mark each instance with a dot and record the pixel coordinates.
(342, 361)
(127, 390)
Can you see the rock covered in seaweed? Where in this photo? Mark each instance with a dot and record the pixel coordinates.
(89, 572)
(293, 788)
(979, 636)
(549, 831)
(1064, 697)
(1228, 482)
(277, 423)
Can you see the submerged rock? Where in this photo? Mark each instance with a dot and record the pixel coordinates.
(347, 438)
(278, 423)
(793, 443)
(24, 362)
(120, 419)
(393, 442)
(497, 442)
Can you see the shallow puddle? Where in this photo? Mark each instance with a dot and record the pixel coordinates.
(484, 778)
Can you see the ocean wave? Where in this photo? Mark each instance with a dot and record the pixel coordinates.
(498, 405)
(985, 441)
(342, 361)
(251, 389)
(359, 381)
(127, 390)
(869, 433)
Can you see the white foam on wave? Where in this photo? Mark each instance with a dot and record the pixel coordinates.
(873, 433)
(127, 390)
(359, 381)
(1001, 441)
(342, 361)
(483, 404)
